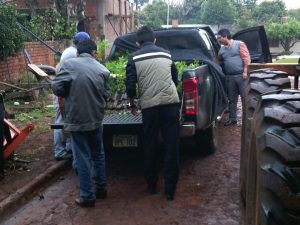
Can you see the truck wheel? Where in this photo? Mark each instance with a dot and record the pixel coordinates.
(276, 141)
(207, 140)
(260, 82)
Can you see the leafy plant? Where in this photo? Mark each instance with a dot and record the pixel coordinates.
(288, 33)
(117, 69)
(181, 66)
(118, 73)
(50, 25)
(101, 48)
(35, 114)
(11, 36)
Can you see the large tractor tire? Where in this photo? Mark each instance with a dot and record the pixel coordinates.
(260, 82)
(207, 140)
(273, 188)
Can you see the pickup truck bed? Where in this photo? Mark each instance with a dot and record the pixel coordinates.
(122, 130)
(113, 120)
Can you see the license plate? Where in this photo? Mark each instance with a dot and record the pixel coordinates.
(121, 141)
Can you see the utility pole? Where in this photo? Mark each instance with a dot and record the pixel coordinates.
(168, 13)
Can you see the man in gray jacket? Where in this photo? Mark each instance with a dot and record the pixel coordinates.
(81, 82)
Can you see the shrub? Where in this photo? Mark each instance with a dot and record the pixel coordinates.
(11, 35)
(50, 25)
(117, 69)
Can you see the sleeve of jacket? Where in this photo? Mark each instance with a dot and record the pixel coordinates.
(62, 82)
(131, 78)
(174, 73)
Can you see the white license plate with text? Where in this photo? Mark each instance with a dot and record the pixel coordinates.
(121, 141)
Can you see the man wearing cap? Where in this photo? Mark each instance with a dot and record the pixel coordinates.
(62, 144)
(81, 82)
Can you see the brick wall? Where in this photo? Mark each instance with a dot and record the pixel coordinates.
(41, 4)
(14, 67)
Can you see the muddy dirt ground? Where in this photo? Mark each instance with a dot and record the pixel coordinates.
(207, 194)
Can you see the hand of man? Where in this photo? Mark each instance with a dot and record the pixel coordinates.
(134, 110)
(133, 107)
(245, 76)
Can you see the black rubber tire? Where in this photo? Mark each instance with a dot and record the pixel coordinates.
(260, 82)
(207, 140)
(276, 152)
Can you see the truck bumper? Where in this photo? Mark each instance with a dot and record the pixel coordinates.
(187, 130)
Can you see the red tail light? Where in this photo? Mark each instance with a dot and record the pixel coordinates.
(190, 96)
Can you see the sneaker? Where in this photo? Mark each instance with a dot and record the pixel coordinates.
(66, 156)
(101, 193)
(230, 122)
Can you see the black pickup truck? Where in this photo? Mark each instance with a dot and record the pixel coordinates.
(203, 96)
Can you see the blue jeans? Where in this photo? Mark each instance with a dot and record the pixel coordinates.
(90, 161)
(62, 145)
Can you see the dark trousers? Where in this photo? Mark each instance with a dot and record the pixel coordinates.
(165, 119)
(2, 114)
(236, 87)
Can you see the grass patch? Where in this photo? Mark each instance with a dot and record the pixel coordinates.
(35, 114)
(293, 60)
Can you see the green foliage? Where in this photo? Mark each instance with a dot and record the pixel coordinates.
(27, 78)
(244, 20)
(189, 11)
(181, 66)
(101, 49)
(117, 69)
(50, 25)
(294, 13)
(244, 4)
(291, 60)
(11, 36)
(140, 3)
(35, 114)
(271, 11)
(217, 12)
(288, 33)
(155, 14)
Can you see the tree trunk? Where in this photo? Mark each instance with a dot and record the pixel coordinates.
(80, 16)
(287, 44)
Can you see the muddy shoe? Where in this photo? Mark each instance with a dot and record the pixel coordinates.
(101, 193)
(84, 203)
(66, 156)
